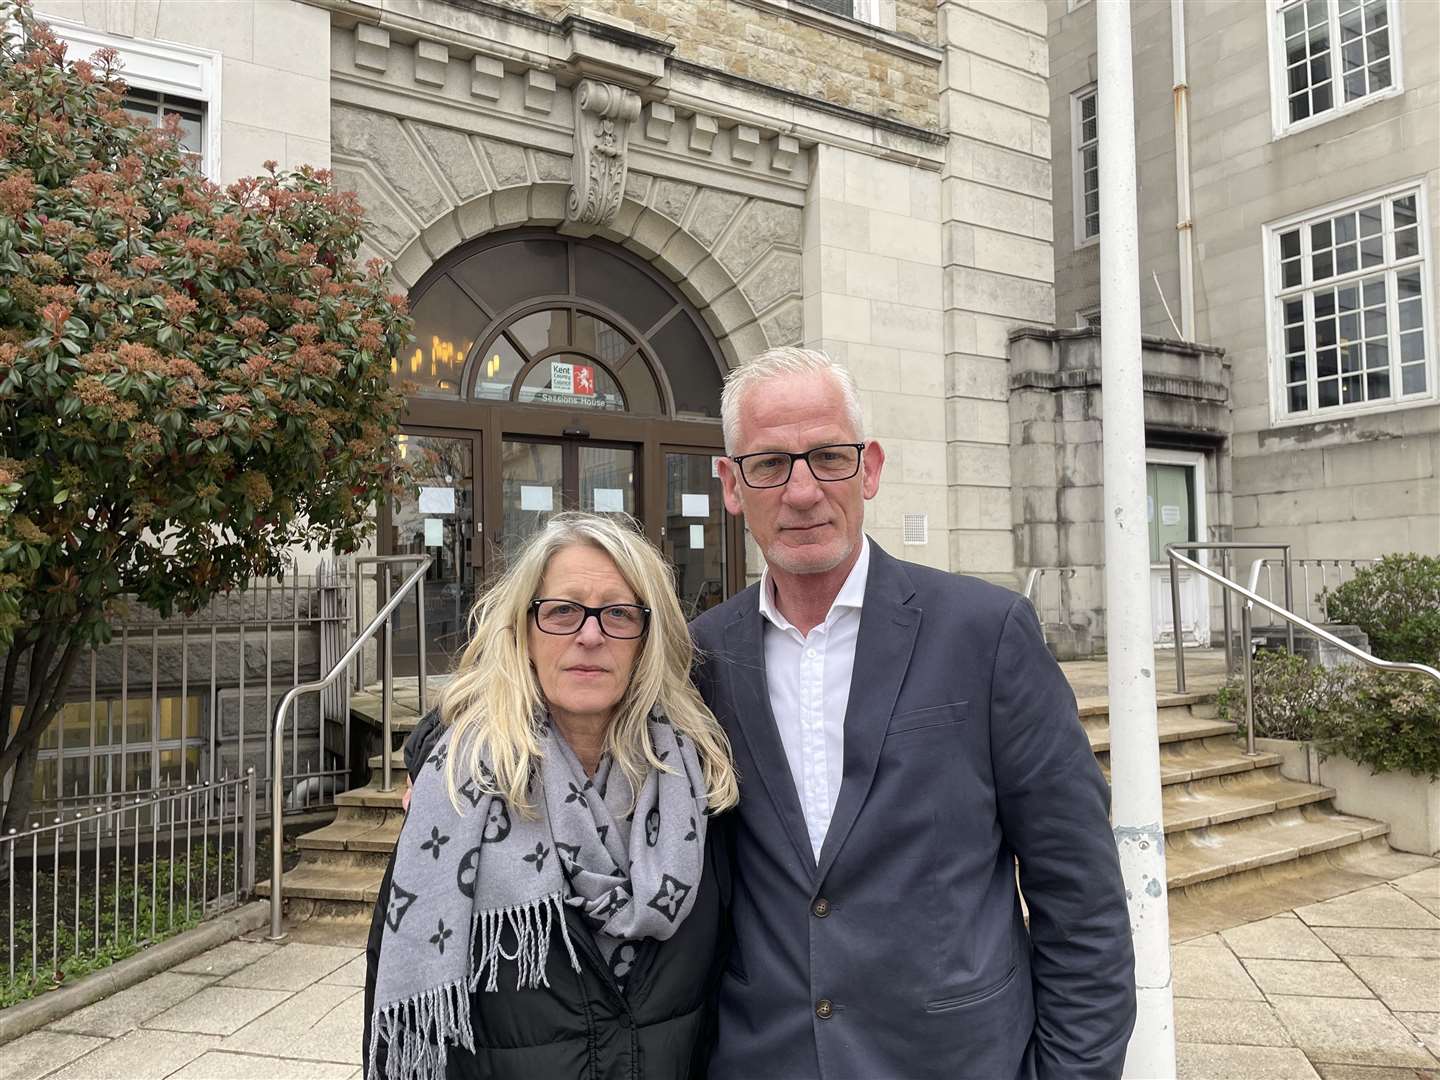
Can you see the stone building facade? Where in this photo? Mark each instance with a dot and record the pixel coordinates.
(1314, 176)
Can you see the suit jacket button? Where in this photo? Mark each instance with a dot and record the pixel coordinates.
(821, 908)
(824, 1009)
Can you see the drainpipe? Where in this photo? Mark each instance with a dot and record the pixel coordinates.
(1184, 226)
(1134, 739)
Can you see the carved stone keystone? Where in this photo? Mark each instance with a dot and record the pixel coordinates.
(603, 115)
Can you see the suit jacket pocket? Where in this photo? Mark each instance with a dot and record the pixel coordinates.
(952, 712)
(985, 993)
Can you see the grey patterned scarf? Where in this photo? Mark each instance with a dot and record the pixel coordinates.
(506, 879)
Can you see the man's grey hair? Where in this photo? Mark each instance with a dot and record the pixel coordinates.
(777, 363)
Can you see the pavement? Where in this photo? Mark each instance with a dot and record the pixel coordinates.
(1345, 989)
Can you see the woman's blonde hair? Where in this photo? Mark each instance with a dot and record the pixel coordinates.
(494, 700)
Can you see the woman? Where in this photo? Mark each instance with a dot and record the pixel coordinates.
(553, 907)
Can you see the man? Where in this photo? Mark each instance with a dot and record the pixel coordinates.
(903, 737)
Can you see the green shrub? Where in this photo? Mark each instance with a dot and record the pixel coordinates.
(1387, 720)
(1397, 603)
(1290, 695)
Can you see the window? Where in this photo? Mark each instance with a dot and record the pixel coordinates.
(1331, 56)
(162, 79)
(1348, 316)
(1085, 130)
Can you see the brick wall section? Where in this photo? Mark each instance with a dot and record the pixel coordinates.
(772, 48)
(999, 262)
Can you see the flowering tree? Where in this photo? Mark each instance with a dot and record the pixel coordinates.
(192, 380)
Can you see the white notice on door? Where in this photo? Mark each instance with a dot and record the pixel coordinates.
(694, 505)
(434, 532)
(697, 537)
(437, 500)
(534, 497)
(609, 500)
(1169, 515)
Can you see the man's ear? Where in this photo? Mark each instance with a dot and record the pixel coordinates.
(729, 484)
(872, 461)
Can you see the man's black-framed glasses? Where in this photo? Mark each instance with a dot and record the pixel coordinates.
(622, 621)
(772, 468)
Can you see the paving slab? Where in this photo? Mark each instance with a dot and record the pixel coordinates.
(32, 1056)
(1283, 937)
(1373, 941)
(337, 1037)
(1346, 1031)
(1427, 1026)
(1373, 1072)
(352, 974)
(1306, 977)
(1423, 883)
(277, 1029)
(228, 958)
(1211, 973)
(1208, 1061)
(139, 1055)
(1380, 906)
(114, 1016)
(293, 968)
(1230, 1023)
(220, 1065)
(218, 1010)
(1404, 984)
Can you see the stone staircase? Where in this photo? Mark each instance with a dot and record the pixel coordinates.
(1239, 837)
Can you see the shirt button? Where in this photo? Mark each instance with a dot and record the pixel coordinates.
(824, 1009)
(821, 908)
(810, 653)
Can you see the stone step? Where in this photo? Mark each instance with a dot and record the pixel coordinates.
(1196, 759)
(1197, 855)
(1176, 724)
(371, 796)
(397, 762)
(359, 885)
(1216, 800)
(369, 835)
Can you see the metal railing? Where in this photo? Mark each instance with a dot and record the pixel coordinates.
(1249, 598)
(121, 877)
(381, 621)
(1225, 548)
(1034, 588)
(1329, 571)
(175, 702)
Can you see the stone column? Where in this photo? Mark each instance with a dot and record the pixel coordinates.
(999, 267)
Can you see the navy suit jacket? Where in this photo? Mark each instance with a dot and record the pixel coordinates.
(903, 952)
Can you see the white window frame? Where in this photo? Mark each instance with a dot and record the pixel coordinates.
(163, 66)
(1280, 124)
(1077, 163)
(1274, 311)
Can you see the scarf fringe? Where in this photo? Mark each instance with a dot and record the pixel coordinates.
(418, 1032)
(531, 923)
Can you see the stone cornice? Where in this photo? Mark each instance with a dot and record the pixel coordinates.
(1158, 344)
(1089, 378)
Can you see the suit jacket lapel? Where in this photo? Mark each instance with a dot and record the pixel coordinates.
(755, 721)
(888, 626)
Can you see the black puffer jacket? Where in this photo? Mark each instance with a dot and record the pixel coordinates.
(583, 1027)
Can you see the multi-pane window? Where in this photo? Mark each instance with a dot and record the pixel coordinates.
(1334, 53)
(155, 109)
(1351, 306)
(1087, 166)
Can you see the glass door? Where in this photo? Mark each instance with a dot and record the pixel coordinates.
(439, 519)
(695, 537)
(542, 476)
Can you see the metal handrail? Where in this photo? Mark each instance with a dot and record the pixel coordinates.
(1032, 579)
(1225, 548)
(387, 561)
(1261, 565)
(382, 618)
(1250, 598)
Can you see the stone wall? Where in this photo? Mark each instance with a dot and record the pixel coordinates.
(274, 86)
(787, 44)
(997, 252)
(1348, 486)
(873, 300)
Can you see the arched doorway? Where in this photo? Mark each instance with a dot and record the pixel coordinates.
(547, 373)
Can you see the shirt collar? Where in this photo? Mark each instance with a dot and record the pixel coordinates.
(851, 594)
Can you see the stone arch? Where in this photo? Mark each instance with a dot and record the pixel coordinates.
(427, 189)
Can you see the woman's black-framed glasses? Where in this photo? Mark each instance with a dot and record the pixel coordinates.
(772, 468)
(621, 621)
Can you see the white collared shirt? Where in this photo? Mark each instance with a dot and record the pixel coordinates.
(809, 681)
